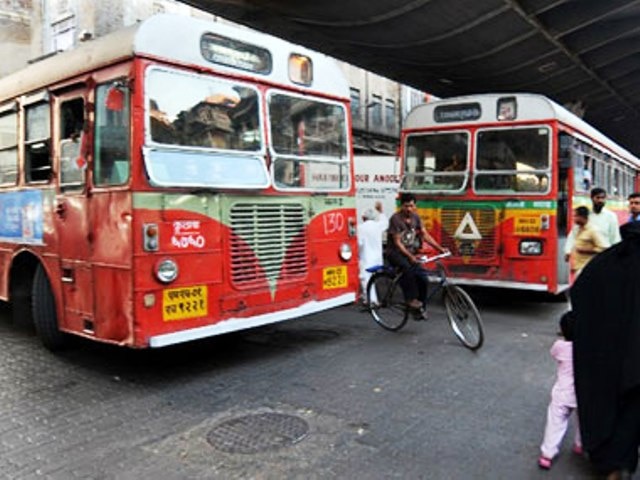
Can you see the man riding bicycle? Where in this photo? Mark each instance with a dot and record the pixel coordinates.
(404, 239)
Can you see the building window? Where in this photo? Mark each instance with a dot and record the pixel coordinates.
(390, 115)
(63, 33)
(355, 104)
(376, 111)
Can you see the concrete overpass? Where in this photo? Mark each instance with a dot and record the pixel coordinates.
(585, 54)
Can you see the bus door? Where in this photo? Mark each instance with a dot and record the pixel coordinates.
(110, 211)
(563, 208)
(71, 216)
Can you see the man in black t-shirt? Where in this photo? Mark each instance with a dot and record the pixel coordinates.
(404, 238)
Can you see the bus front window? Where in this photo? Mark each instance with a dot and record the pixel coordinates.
(514, 160)
(309, 143)
(202, 131)
(436, 162)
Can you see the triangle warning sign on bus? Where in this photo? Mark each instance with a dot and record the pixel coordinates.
(467, 230)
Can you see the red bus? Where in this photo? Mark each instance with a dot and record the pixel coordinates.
(155, 191)
(497, 177)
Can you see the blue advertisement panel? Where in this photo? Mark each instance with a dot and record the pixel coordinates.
(21, 217)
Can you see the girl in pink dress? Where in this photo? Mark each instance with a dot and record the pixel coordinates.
(563, 397)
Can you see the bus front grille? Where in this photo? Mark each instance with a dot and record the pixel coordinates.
(472, 235)
(267, 243)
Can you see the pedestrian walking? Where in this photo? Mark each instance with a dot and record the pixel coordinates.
(634, 207)
(586, 241)
(370, 231)
(602, 219)
(563, 397)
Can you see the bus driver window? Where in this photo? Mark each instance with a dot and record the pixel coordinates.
(111, 166)
(72, 162)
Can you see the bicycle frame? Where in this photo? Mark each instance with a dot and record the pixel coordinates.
(436, 275)
(392, 313)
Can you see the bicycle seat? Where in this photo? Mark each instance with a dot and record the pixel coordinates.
(378, 268)
(375, 268)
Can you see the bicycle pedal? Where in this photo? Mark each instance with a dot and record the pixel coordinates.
(420, 315)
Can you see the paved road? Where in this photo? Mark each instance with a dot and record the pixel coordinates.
(347, 400)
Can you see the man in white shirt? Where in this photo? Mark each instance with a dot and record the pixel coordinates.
(370, 231)
(601, 219)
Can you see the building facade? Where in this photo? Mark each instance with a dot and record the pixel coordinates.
(15, 34)
(378, 107)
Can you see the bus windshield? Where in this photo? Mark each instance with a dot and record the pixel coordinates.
(436, 162)
(513, 160)
(203, 131)
(309, 143)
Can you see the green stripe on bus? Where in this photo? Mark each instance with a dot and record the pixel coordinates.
(508, 204)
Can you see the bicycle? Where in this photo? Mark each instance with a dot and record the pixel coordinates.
(391, 311)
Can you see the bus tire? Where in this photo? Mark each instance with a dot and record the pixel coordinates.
(45, 317)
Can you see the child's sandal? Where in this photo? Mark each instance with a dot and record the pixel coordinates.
(544, 463)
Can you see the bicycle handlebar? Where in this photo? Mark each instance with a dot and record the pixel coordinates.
(425, 259)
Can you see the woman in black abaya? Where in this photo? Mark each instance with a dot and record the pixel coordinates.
(606, 347)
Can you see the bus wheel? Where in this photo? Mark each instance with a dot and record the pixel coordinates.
(45, 317)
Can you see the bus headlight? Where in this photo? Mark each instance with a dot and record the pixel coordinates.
(530, 247)
(166, 270)
(345, 252)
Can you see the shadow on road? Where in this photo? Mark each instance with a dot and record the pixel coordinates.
(178, 362)
(502, 297)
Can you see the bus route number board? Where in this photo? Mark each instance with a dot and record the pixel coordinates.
(334, 277)
(183, 303)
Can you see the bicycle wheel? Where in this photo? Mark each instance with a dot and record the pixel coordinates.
(464, 317)
(386, 301)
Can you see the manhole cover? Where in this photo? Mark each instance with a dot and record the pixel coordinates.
(257, 433)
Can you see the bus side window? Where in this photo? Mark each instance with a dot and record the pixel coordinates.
(9, 149)
(71, 136)
(37, 144)
(112, 162)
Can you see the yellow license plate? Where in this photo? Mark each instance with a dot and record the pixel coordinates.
(334, 277)
(182, 303)
(527, 225)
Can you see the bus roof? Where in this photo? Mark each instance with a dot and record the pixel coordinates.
(177, 39)
(530, 107)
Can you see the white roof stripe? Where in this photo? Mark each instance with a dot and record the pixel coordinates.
(530, 107)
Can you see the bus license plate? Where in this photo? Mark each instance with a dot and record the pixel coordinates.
(527, 225)
(334, 277)
(182, 303)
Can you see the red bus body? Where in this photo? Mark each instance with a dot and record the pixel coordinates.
(527, 163)
(159, 228)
